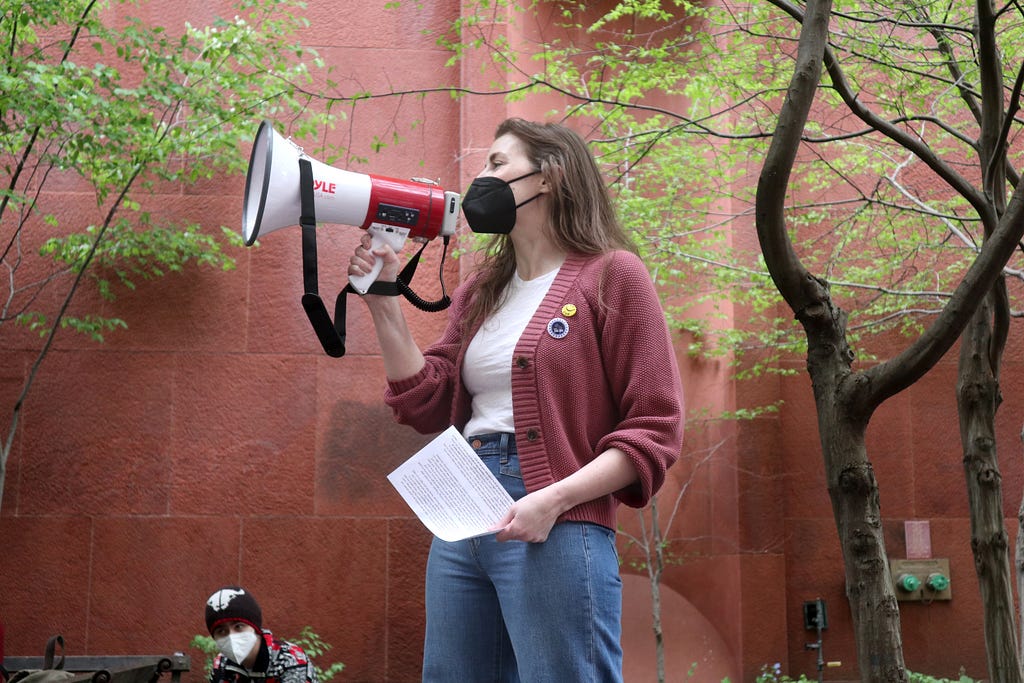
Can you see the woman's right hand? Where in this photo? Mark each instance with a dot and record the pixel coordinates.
(363, 260)
(402, 358)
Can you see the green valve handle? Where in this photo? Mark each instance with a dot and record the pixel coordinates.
(937, 582)
(908, 583)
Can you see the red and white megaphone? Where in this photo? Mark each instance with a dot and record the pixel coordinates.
(391, 210)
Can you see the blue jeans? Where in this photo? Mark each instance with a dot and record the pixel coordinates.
(517, 611)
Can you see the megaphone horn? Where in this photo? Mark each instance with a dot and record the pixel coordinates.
(391, 210)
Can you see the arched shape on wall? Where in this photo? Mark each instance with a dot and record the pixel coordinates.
(689, 638)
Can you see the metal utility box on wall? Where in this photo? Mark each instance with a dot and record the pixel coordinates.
(921, 580)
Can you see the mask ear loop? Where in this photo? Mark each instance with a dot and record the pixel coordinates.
(524, 203)
(527, 201)
(525, 175)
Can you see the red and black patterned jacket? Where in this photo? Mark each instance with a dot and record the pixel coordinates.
(278, 662)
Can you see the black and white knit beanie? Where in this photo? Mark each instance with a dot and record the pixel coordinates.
(233, 603)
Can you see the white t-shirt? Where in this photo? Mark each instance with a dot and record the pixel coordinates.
(487, 367)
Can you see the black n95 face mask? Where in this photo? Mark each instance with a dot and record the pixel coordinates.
(490, 206)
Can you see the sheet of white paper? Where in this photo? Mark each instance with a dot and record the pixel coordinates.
(450, 489)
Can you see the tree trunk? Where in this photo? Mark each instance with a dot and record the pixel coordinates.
(1020, 563)
(843, 399)
(842, 424)
(977, 401)
(655, 569)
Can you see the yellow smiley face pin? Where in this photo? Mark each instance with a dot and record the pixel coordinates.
(569, 310)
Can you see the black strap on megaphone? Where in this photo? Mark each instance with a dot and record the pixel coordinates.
(332, 334)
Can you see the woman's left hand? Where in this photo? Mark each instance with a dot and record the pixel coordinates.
(530, 518)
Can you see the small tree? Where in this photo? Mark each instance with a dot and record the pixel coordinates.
(654, 540)
(90, 93)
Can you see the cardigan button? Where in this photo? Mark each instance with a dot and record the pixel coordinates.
(532, 434)
(522, 362)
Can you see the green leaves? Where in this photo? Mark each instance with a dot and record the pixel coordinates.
(315, 646)
(131, 112)
(92, 326)
(130, 249)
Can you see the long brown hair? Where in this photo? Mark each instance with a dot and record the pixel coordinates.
(580, 213)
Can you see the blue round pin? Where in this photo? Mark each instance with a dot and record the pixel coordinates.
(558, 328)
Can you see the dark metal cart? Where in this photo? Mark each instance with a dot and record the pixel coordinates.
(111, 669)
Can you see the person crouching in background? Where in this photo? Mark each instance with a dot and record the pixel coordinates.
(248, 652)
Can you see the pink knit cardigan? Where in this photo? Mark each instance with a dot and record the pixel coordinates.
(611, 381)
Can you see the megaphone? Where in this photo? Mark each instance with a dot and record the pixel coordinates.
(391, 210)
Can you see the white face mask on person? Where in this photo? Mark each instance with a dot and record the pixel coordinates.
(237, 646)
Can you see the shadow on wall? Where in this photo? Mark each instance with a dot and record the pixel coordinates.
(688, 636)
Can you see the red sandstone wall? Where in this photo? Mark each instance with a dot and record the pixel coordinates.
(213, 442)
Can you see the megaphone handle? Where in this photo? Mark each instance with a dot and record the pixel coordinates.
(380, 235)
